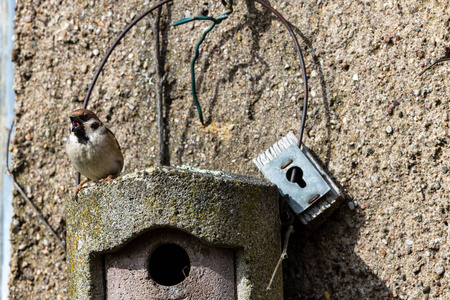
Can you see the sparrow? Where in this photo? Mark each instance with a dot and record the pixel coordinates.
(92, 148)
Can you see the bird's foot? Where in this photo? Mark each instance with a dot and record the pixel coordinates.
(78, 188)
(106, 179)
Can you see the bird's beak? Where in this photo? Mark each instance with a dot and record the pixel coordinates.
(76, 122)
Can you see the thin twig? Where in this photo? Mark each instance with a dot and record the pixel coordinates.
(433, 64)
(36, 210)
(159, 90)
(283, 255)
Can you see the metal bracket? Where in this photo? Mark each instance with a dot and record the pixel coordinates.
(312, 192)
(308, 188)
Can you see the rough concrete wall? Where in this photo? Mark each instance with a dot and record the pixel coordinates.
(380, 128)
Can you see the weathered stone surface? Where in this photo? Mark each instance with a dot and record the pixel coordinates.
(222, 210)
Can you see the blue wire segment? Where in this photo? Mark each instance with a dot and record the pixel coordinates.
(214, 21)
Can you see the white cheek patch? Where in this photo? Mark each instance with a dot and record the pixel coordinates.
(90, 127)
(98, 138)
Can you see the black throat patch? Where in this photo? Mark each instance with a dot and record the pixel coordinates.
(80, 133)
(83, 139)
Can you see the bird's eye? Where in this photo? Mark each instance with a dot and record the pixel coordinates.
(95, 125)
(85, 118)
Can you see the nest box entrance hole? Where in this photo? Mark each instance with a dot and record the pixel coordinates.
(169, 264)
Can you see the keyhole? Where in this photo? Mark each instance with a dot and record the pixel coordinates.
(298, 176)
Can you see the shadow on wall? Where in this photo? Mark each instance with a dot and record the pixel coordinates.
(322, 264)
(257, 26)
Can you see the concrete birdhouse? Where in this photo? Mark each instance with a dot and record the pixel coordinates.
(168, 233)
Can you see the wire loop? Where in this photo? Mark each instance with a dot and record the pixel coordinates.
(214, 21)
(223, 16)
